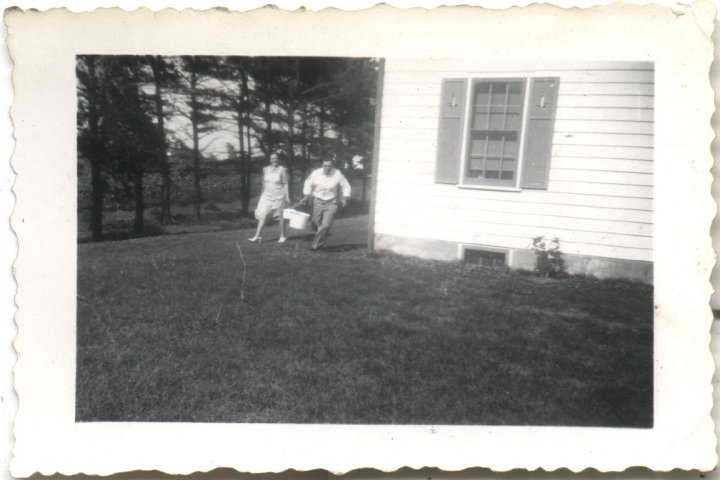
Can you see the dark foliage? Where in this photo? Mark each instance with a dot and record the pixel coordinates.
(131, 111)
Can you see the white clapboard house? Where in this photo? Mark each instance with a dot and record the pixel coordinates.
(476, 160)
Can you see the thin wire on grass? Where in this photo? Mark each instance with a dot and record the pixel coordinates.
(242, 282)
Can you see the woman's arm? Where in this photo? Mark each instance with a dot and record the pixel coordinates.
(262, 182)
(284, 177)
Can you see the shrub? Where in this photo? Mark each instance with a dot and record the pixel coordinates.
(549, 261)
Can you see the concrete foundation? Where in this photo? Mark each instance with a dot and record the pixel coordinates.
(523, 259)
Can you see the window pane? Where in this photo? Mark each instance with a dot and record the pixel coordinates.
(511, 145)
(497, 119)
(482, 94)
(513, 122)
(515, 110)
(492, 168)
(495, 144)
(516, 96)
(499, 93)
(480, 119)
(484, 258)
(478, 143)
(508, 170)
(476, 166)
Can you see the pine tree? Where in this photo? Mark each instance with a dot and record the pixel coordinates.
(203, 103)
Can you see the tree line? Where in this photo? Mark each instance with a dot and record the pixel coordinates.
(137, 115)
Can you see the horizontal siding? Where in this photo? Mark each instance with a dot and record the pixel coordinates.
(605, 189)
(468, 232)
(605, 101)
(602, 89)
(603, 139)
(600, 193)
(529, 223)
(568, 76)
(604, 126)
(603, 164)
(420, 172)
(477, 67)
(609, 113)
(600, 176)
(566, 88)
(417, 117)
(483, 206)
(424, 162)
(404, 177)
(642, 75)
(402, 132)
(410, 167)
(596, 151)
(408, 100)
(444, 194)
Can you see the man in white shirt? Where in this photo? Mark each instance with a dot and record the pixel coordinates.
(322, 186)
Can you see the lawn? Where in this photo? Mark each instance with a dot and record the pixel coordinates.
(170, 330)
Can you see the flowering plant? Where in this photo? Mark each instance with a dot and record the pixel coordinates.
(548, 257)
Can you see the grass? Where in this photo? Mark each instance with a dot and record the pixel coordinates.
(168, 331)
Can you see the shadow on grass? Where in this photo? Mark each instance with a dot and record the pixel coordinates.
(346, 247)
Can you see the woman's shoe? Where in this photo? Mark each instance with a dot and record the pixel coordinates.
(255, 239)
(282, 239)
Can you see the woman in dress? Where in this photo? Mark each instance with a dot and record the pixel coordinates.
(273, 199)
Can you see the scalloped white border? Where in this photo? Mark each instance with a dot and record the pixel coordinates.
(48, 443)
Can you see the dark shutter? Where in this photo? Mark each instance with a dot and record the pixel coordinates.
(539, 133)
(450, 130)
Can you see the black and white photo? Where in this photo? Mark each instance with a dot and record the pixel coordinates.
(272, 240)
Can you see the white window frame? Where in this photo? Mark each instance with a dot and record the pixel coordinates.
(527, 78)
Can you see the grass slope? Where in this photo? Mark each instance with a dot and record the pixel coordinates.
(343, 337)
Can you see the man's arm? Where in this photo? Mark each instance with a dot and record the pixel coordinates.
(344, 188)
(308, 187)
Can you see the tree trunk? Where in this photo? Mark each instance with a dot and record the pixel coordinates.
(157, 68)
(304, 160)
(194, 120)
(268, 129)
(96, 209)
(139, 200)
(247, 187)
(364, 182)
(321, 133)
(196, 171)
(242, 115)
(291, 150)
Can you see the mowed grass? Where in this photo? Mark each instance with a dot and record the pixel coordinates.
(167, 331)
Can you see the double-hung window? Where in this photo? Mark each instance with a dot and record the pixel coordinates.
(496, 132)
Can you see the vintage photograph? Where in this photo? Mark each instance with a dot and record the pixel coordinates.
(348, 240)
(382, 239)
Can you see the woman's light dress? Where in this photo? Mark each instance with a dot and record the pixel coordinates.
(272, 199)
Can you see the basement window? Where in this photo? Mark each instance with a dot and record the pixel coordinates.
(484, 257)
